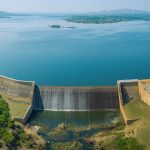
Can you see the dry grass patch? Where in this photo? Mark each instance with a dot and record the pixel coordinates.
(137, 109)
(17, 108)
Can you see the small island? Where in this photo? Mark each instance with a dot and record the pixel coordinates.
(59, 27)
(55, 26)
(71, 27)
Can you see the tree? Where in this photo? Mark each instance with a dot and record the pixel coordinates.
(4, 113)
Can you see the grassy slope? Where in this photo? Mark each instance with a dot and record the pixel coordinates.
(17, 109)
(136, 109)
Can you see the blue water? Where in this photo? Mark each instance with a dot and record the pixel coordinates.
(89, 55)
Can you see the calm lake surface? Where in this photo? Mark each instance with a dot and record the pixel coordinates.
(88, 55)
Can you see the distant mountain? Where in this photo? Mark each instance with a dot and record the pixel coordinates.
(4, 14)
(124, 11)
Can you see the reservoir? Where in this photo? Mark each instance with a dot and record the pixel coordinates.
(88, 55)
(85, 55)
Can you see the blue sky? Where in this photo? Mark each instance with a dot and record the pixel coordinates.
(71, 5)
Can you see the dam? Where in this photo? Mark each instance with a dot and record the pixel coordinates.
(24, 97)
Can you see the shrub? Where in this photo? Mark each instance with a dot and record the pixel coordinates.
(68, 146)
(11, 124)
(22, 136)
(122, 143)
(4, 113)
(8, 138)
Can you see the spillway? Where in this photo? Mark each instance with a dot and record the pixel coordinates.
(75, 98)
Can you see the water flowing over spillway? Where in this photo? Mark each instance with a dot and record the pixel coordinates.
(75, 98)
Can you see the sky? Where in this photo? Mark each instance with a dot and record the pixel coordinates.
(71, 5)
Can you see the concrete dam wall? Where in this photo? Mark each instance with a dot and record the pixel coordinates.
(75, 98)
(19, 96)
(16, 88)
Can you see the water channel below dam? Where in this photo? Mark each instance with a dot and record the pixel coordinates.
(69, 126)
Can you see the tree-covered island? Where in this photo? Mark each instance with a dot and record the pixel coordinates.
(103, 19)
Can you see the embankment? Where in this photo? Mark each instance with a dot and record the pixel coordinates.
(127, 91)
(19, 95)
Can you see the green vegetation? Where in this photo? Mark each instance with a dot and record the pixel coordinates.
(12, 135)
(102, 19)
(138, 110)
(67, 146)
(124, 143)
(116, 140)
(4, 113)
